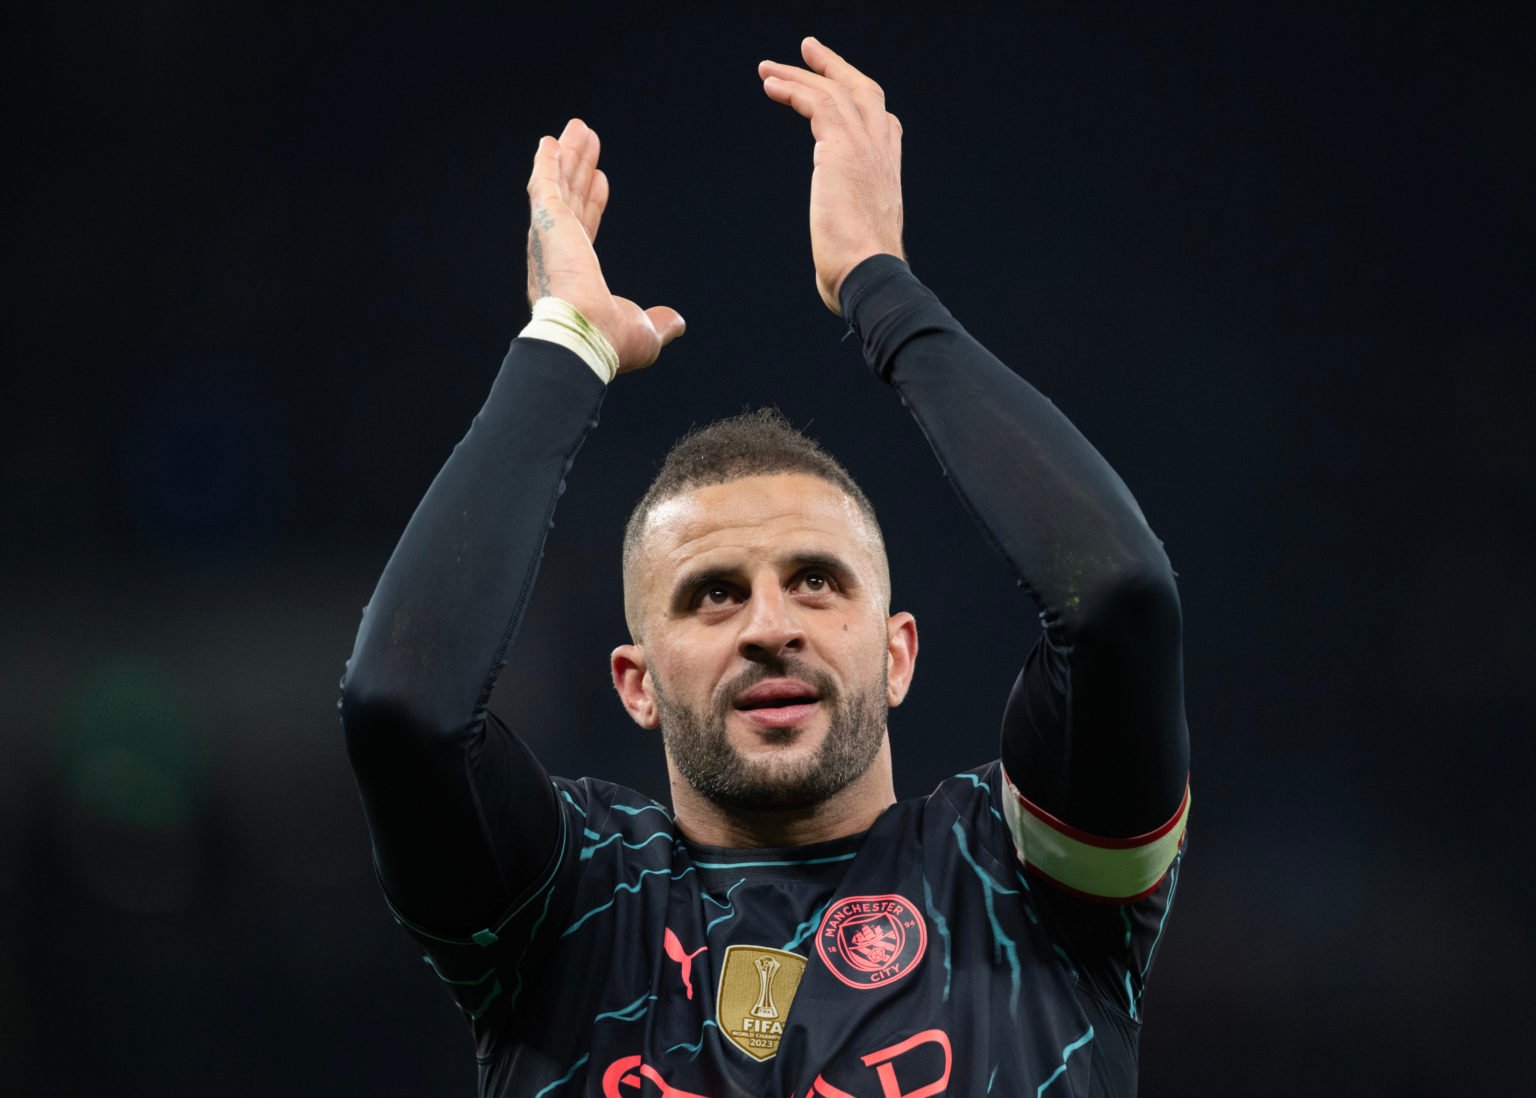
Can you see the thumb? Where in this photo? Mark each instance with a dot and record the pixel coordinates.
(668, 322)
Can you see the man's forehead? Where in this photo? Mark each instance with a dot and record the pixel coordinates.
(779, 503)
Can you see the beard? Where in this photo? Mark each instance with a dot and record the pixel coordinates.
(698, 747)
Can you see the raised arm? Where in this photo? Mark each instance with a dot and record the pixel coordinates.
(442, 782)
(1094, 736)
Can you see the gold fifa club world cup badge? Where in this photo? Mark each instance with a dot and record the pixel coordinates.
(757, 986)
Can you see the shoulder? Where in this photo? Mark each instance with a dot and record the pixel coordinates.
(973, 796)
(589, 797)
(615, 824)
(963, 818)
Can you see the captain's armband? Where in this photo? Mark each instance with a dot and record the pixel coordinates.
(1091, 866)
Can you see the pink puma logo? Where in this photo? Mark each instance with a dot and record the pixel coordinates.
(674, 949)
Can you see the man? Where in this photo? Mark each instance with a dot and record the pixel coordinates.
(787, 928)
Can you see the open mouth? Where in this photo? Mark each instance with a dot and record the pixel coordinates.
(781, 703)
(778, 703)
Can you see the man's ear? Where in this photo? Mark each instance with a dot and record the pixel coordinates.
(901, 650)
(633, 682)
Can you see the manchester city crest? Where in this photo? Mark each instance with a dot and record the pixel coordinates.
(869, 941)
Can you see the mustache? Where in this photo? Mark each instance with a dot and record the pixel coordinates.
(789, 668)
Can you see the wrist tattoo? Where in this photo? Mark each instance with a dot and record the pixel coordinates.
(541, 221)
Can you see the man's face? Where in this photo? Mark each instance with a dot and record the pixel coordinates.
(765, 640)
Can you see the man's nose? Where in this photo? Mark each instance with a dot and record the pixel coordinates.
(772, 628)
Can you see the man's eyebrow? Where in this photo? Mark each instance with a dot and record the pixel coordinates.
(691, 581)
(826, 562)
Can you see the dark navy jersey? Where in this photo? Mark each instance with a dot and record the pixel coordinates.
(917, 958)
(992, 937)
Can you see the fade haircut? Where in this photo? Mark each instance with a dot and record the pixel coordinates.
(752, 444)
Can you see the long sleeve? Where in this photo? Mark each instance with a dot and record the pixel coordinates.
(1094, 735)
(438, 776)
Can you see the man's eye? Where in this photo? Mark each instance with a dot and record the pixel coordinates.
(816, 581)
(716, 594)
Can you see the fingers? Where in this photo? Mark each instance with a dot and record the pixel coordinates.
(580, 141)
(544, 182)
(829, 78)
(831, 110)
(597, 202)
(565, 171)
(802, 97)
(587, 184)
(831, 65)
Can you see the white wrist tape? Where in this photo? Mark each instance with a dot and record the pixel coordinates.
(561, 322)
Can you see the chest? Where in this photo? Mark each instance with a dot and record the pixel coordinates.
(911, 962)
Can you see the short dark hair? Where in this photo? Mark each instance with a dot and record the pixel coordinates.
(752, 444)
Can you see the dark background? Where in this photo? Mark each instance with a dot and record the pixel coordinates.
(1277, 265)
